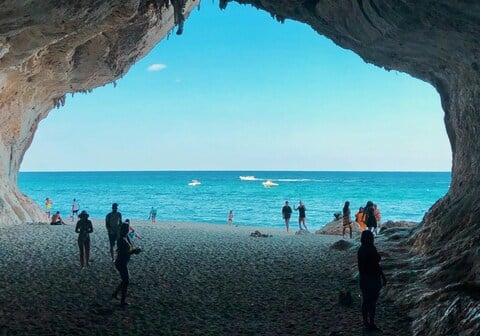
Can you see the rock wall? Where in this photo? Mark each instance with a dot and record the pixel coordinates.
(436, 41)
(51, 48)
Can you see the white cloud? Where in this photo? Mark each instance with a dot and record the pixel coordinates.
(156, 67)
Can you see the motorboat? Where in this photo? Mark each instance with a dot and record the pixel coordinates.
(269, 183)
(194, 183)
(247, 178)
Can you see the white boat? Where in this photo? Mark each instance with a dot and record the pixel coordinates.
(269, 183)
(247, 178)
(194, 183)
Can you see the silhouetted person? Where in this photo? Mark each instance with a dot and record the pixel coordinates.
(84, 228)
(113, 222)
(369, 217)
(286, 214)
(347, 222)
(124, 250)
(371, 278)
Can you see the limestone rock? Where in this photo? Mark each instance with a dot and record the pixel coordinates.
(50, 48)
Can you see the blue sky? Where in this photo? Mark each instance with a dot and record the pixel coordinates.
(240, 91)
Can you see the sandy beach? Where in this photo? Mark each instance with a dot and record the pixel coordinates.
(191, 279)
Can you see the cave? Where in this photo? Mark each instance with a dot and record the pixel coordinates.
(48, 50)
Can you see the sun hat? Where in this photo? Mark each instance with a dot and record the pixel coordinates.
(83, 214)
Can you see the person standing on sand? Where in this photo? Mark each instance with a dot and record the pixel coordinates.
(371, 279)
(286, 214)
(112, 223)
(346, 219)
(124, 250)
(152, 215)
(301, 215)
(230, 218)
(75, 208)
(84, 227)
(48, 207)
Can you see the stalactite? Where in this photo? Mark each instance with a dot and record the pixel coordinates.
(59, 101)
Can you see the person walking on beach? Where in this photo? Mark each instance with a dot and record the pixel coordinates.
(230, 218)
(113, 222)
(347, 222)
(48, 207)
(286, 214)
(75, 208)
(152, 215)
(124, 250)
(301, 215)
(84, 227)
(369, 217)
(371, 279)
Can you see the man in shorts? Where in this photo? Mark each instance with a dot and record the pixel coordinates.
(286, 214)
(112, 223)
(75, 208)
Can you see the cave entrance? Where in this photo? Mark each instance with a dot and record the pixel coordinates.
(257, 95)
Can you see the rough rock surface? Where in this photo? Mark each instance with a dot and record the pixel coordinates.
(51, 48)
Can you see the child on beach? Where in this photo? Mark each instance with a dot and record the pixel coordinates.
(48, 207)
(230, 218)
(132, 234)
(84, 228)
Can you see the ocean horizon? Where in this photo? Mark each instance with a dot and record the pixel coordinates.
(399, 195)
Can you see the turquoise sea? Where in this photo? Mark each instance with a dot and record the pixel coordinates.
(399, 195)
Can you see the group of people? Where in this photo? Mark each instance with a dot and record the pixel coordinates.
(56, 218)
(287, 213)
(367, 217)
(121, 234)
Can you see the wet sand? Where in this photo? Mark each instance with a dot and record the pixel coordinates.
(191, 279)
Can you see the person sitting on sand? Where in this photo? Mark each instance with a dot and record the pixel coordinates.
(347, 222)
(230, 218)
(286, 214)
(359, 219)
(57, 219)
(301, 215)
(84, 227)
(371, 279)
(124, 250)
(113, 222)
